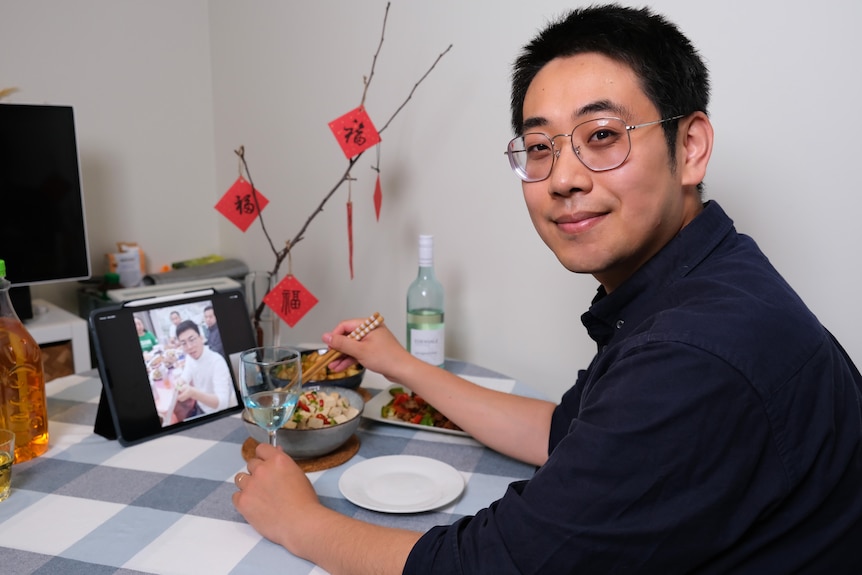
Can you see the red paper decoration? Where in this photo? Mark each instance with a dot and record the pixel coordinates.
(378, 197)
(238, 204)
(290, 300)
(355, 132)
(350, 235)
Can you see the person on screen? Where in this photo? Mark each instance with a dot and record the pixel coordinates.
(206, 374)
(175, 321)
(213, 333)
(718, 428)
(146, 337)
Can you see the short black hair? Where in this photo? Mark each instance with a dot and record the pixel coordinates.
(671, 72)
(187, 325)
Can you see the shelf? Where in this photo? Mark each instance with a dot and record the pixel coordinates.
(51, 324)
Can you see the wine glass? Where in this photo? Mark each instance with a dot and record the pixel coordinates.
(270, 380)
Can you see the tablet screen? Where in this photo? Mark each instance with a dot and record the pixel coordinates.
(171, 362)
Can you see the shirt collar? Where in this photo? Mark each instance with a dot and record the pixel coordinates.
(683, 253)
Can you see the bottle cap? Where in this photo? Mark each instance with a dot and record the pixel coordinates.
(426, 251)
(2, 268)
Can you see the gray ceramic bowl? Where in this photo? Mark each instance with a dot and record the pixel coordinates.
(308, 443)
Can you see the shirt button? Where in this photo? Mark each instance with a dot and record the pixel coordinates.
(620, 323)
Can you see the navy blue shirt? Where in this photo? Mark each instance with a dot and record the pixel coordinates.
(717, 430)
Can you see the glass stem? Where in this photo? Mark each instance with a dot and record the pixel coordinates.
(273, 438)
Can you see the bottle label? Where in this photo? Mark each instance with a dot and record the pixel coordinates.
(428, 345)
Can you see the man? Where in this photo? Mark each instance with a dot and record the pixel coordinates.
(175, 321)
(717, 430)
(206, 375)
(213, 334)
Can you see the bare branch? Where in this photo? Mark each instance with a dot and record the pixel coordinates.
(299, 236)
(241, 153)
(281, 254)
(367, 81)
(416, 85)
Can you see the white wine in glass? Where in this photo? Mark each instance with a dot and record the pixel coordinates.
(270, 380)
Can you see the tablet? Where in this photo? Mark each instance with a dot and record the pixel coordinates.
(168, 363)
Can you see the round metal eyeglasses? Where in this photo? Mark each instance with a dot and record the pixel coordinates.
(601, 144)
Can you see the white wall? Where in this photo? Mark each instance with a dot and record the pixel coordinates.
(166, 91)
(138, 76)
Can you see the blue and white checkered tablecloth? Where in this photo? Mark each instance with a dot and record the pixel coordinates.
(91, 506)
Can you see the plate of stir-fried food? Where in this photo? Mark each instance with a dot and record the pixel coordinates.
(400, 406)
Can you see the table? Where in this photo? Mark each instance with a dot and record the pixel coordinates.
(91, 506)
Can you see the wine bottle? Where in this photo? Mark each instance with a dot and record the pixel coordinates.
(23, 407)
(425, 327)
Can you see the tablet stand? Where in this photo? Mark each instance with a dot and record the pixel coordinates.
(104, 425)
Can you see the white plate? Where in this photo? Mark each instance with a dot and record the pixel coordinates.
(376, 403)
(401, 484)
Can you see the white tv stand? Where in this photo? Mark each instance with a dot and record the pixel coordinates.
(51, 324)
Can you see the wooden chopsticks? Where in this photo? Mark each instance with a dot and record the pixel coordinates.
(322, 361)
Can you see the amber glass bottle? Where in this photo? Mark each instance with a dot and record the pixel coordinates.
(23, 409)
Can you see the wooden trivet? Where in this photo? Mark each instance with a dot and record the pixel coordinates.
(328, 461)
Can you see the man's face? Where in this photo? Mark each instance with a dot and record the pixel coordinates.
(209, 317)
(609, 223)
(191, 342)
(175, 318)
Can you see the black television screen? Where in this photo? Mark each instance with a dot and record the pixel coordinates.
(43, 234)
